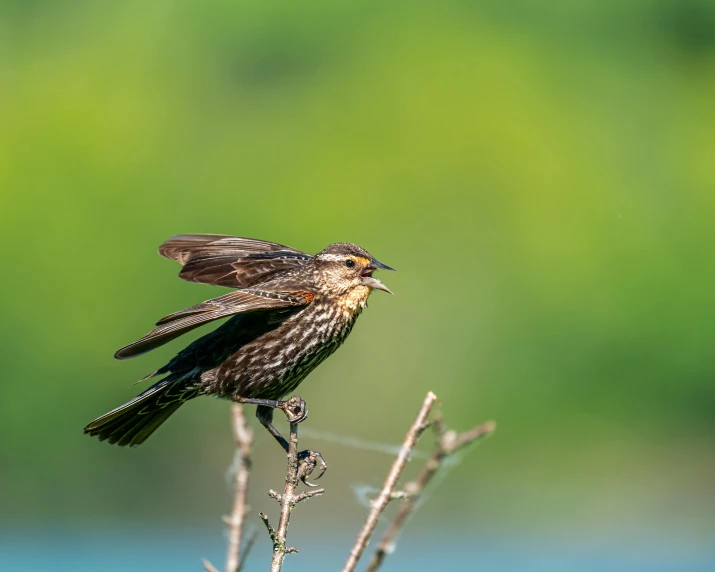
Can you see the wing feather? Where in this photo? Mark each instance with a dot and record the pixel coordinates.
(230, 260)
(238, 302)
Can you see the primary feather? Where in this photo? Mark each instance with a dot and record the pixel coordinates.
(230, 261)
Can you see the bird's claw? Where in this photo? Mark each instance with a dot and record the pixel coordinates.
(296, 409)
(308, 461)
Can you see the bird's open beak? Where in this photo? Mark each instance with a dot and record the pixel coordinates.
(371, 282)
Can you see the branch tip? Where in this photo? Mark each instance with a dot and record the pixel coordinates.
(379, 504)
(448, 442)
(307, 495)
(271, 530)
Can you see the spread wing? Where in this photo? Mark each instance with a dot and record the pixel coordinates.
(229, 260)
(238, 302)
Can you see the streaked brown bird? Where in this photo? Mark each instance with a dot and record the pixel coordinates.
(290, 311)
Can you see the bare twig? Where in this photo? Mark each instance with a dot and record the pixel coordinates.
(269, 527)
(379, 504)
(247, 549)
(288, 499)
(308, 495)
(279, 542)
(243, 436)
(448, 442)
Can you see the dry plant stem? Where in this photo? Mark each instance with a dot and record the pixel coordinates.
(288, 499)
(379, 504)
(247, 549)
(447, 444)
(243, 436)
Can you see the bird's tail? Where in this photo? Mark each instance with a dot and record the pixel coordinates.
(132, 423)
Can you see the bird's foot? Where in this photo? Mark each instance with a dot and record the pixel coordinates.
(307, 461)
(296, 409)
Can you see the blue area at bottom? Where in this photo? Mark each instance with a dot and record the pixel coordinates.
(120, 550)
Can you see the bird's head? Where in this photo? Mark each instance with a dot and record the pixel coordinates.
(345, 270)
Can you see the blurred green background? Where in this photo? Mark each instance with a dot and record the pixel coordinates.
(542, 176)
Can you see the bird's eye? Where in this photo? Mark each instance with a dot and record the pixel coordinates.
(349, 263)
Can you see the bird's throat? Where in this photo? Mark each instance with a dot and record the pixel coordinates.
(352, 302)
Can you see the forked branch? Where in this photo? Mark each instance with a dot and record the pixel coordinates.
(379, 504)
(448, 443)
(243, 437)
(288, 499)
(299, 466)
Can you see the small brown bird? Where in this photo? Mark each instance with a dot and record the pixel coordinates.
(290, 312)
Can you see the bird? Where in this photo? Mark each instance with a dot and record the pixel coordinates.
(288, 311)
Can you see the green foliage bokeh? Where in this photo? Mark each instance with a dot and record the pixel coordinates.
(541, 178)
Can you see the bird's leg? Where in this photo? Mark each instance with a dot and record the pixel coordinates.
(295, 409)
(264, 413)
(308, 459)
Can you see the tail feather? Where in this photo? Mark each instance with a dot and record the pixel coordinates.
(132, 423)
(140, 430)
